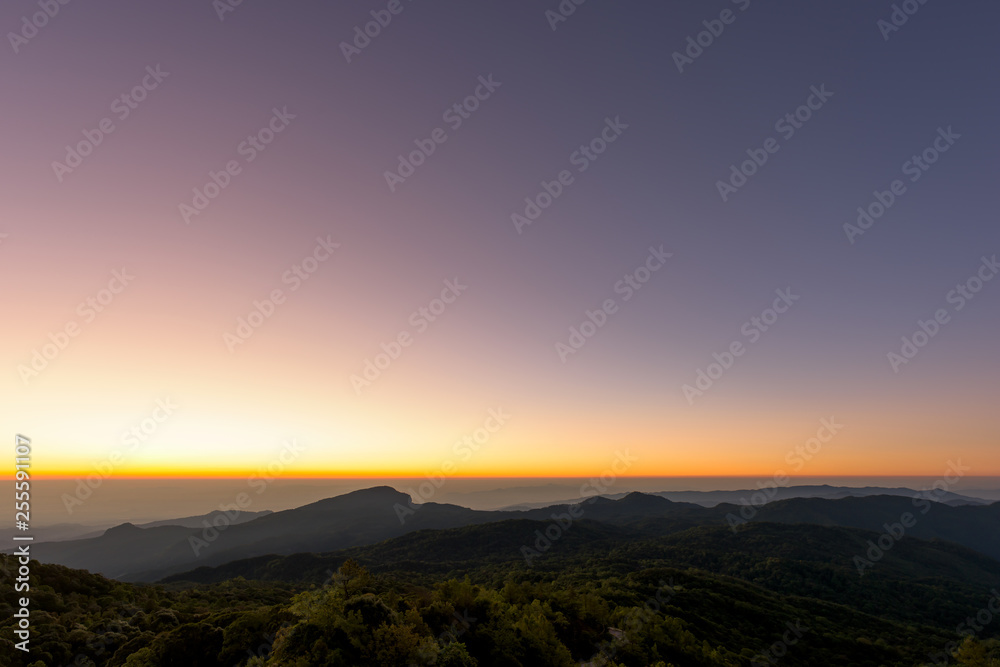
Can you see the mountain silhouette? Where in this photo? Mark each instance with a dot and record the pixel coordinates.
(369, 516)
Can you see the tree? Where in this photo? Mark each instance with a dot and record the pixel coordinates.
(974, 653)
(351, 572)
(456, 655)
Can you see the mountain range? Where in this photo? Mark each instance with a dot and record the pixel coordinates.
(775, 492)
(133, 553)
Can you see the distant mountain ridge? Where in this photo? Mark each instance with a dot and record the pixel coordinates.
(63, 532)
(199, 520)
(132, 553)
(373, 515)
(742, 496)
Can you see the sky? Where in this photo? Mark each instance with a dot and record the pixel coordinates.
(248, 240)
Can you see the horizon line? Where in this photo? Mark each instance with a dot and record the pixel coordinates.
(342, 477)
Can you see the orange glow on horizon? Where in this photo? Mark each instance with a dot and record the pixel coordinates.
(374, 475)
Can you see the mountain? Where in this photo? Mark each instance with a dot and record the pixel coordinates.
(372, 515)
(116, 551)
(745, 496)
(132, 553)
(976, 527)
(710, 498)
(642, 602)
(60, 531)
(640, 580)
(199, 521)
(916, 582)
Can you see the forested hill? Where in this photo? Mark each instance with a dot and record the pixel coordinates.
(602, 593)
(369, 516)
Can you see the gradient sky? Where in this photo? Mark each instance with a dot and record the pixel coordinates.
(162, 337)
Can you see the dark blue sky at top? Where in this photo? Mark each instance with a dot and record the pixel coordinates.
(656, 185)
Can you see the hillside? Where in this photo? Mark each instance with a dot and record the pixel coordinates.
(935, 583)
(636, 614)
(370, 516)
